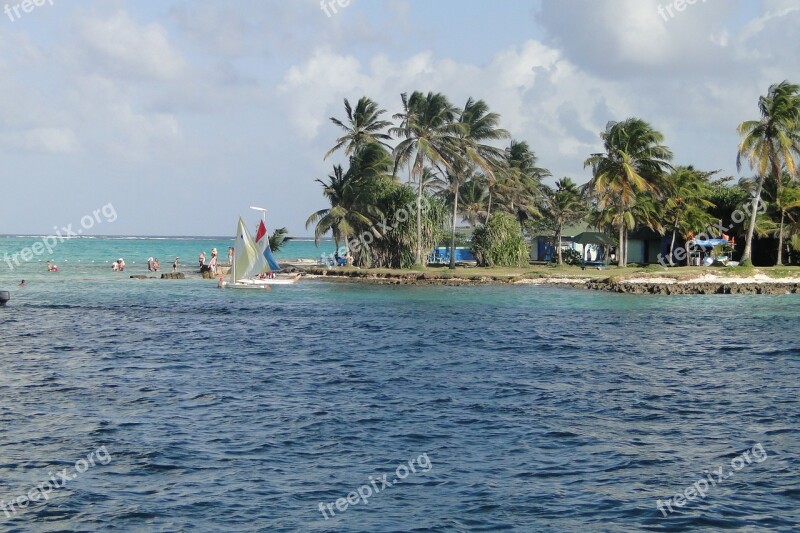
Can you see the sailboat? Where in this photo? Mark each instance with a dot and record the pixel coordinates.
(249, 261)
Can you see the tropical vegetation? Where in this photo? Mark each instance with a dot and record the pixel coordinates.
(438, 174)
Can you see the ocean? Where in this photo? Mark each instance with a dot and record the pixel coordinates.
(170, 405)
(90, 255)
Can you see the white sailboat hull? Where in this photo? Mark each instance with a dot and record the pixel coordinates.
(261, 283)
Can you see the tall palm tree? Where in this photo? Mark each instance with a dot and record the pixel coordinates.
(432, 181)
(475, 200)
(428, 129)
(564, 205)
(478, 125)
(686, 206)
(344, 217)
(518, 187)
(786, 199)
(634, 161)
(362, 126)
(770, 143)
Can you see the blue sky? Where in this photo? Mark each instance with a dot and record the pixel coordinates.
(184, 113)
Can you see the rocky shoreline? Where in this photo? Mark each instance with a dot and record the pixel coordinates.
(654, 286)
(695, 288)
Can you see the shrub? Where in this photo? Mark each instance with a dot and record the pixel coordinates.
(571, 257)
(500, 243)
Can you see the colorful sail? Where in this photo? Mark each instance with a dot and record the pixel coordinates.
(247, 259)
(262, 241)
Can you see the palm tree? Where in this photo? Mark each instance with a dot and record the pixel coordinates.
(475, 198)
(344, 217)
(471, 152)
(278, 239)
(363, 126)
(686, 208)
(428, 128)
(563, 205)
(519, 184)
(634, 161)
(770, 143)
(431, 181)
(787, 198)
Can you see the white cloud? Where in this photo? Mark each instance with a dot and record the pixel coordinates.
(52, 140)
(118, 45)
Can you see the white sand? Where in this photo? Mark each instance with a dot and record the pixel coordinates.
(757, 279)
(553, 281)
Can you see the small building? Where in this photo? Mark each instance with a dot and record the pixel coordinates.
(543, 246)
(644, 245)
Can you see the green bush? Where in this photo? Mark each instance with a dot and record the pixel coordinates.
(500, 243)
(571, 257)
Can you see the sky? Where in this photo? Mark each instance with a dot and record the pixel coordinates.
(182, 114)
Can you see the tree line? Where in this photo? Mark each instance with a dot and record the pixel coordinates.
(410, 180)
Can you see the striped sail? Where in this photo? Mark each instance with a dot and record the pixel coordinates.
(262, 241)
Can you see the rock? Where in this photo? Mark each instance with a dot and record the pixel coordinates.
(694, 288)
(173, 275)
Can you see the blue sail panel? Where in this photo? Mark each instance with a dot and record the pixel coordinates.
(273, 264)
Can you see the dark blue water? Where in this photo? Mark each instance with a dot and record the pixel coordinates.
(531, 408)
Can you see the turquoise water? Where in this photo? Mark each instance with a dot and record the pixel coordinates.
(534, 408)
(93, 256)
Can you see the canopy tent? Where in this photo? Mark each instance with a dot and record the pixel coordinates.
(593, 237)
(598, 239)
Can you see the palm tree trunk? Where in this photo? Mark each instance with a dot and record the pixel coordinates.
(620, 257)
(625, 248)
(672, 245)
(489, 208)
(453, 232)
(748, 244)
(418, 260)
(780, 241)
(558, 240)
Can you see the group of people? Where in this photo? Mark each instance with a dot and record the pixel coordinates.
(153, 266)
(51, 267)
(212, 264)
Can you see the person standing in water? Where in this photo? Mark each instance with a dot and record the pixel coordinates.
(175, 265)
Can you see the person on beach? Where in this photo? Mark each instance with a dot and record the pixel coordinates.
(212, 265)
(121, 264)
(175, 265)
(23, 283)
(155, 264)
(115, 266)
(202, 259)
(150, 264)
(51, 267)
(230, 255)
